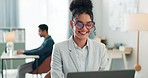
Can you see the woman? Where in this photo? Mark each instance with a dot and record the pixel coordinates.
(79, 53)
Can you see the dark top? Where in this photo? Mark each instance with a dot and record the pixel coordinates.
(43, 51)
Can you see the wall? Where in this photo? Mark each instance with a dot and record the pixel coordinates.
(58, 12)
(128, 38)
(98, 12)
(35, 12)
(30, 15)
(144, 42)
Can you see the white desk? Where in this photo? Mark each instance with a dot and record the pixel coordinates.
(6, 56)
(117, 54)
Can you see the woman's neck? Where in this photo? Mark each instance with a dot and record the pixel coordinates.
(80, 42)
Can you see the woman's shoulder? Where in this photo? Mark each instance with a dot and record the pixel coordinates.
(62, 43)
(96, 43)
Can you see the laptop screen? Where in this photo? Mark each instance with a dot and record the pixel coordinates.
(103, 74)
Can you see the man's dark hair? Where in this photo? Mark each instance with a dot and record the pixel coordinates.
(43, 27)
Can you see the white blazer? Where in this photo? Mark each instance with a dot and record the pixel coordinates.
(64, 58)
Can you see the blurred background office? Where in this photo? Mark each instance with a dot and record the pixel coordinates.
(28, 14)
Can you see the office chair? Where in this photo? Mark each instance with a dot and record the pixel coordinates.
(43, 68)
(48, 75)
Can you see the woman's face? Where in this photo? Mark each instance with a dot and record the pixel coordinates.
(82, 26)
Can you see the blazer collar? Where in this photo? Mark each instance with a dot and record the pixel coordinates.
(71, 45)
(89, 60)
(72, 53)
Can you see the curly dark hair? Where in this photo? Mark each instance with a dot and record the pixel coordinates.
(78, 7)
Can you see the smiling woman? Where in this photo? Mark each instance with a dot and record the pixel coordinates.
(78, 53)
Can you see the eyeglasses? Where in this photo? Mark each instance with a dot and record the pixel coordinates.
(88, 25)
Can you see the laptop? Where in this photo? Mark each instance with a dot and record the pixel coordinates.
(103, 74)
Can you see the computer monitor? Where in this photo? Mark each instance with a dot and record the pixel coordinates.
(103, 74)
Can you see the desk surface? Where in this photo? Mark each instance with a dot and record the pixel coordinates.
(117, 54)
(118, 51)
(16, 56)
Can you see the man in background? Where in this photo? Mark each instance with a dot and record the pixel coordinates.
(43, 51)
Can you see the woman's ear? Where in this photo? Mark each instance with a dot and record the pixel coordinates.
(71, 23)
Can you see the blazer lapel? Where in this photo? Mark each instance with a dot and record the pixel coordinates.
(72, 53)
(89, 60)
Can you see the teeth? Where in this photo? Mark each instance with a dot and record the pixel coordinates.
(83, 32)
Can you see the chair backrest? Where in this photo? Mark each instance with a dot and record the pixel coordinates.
(44, 67)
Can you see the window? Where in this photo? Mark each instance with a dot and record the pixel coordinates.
(8, 13)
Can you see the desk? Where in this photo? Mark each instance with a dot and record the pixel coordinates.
(6, 56)
(117, 54)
